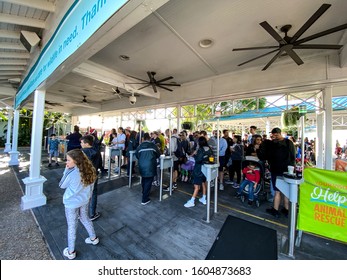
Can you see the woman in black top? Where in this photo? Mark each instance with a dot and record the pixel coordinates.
(74, 139)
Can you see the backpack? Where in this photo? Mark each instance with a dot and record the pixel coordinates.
(179, 153)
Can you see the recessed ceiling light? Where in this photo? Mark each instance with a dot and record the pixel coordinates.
(60, 90)
(206, 43)
(124, 57)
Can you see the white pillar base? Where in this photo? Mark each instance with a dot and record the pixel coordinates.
(7, 148)
(13, 158)
(34, 196)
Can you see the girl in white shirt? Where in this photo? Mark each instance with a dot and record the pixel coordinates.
(78, 180)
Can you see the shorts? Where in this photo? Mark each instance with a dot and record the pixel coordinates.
(54, 153)
(222, 163)
(197, 180)
(176, 165)
(273, 180)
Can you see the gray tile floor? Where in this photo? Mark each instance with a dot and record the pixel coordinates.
(160, 230)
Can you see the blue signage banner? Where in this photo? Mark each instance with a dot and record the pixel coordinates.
(79, 23)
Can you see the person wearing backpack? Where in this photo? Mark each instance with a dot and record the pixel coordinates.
(184, 147)
(201, 157)
(95, 157)
(173, 146)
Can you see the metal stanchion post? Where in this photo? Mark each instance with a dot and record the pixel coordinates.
(211, 172)
(289, 186)
(165, 162)
(132, 157)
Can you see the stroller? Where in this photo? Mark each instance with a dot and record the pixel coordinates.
(260, 188)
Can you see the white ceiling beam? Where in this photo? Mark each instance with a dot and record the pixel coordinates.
(343, 57)
(12, 46)
(16, 55)
(10, 73)
(7, 91)
(12, 68)
(17, 20)
(13, 62)
(36, 4)
(108, 76)
(9, 34)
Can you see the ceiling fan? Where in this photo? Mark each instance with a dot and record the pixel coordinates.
(53, 103)
(154, 83)
(289, 44)
(85, 103)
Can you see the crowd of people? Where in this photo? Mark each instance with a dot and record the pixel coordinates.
(189, 152)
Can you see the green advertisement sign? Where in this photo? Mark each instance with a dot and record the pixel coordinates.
(323, 203)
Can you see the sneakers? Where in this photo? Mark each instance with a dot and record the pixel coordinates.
(229, 182)
(221, 187)
(49, 165)
(70, 256)
(155, 184)
(166, 189)
(145, 203)
(97, 215)
(284, 211)
(235, 185)
(189, 204)
(272, 211)
(93, 242)
(250, 202)
(237, 195)
(56, 164)
(203, 200)
(174, 185)
(116, 170)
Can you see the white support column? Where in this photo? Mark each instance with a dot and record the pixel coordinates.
(267, 128)
(178, 120)
(319, 152)
(327, 101)
(34, 196)
(14, 154)
(9, 130)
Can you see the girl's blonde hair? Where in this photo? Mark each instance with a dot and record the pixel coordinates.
(85, 166)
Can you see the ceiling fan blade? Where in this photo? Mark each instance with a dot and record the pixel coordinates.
(137, 83)
(154, 88)
(165, 79)
(272, 32)
(265, 54)
(255, 48)
(272, 60)
(309, 22)
(151, 77)
(321, 34)
(319, 46)
(294, 56)
(168, 89)
(137, 79)
(171, 85)
(144, 86)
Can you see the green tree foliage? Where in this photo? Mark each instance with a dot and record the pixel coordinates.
(25, 123)
(205, 112)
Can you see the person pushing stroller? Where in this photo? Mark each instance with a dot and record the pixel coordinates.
(252, 178)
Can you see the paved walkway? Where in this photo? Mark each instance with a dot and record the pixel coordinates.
(21, 236)
(160, 230)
